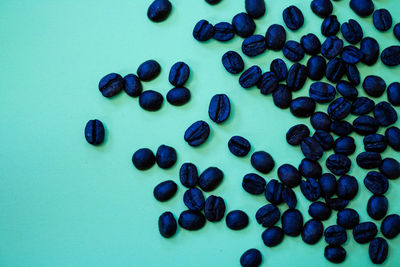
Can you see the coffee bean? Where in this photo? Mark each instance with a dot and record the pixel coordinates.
(375, 143)
(331, 47)
(337, 203)
(220, 108)
(203, 31)
(365, 232)
(243, 24)
(382, 19)
(296, 77)
(167, 224)
(310, 189)
(309, 168)
(390, 168)
(214, 208)
(262, 161)
(179, 74)
(365, 125)
(273, 236)
(335, 70)
(111, 85)
(223, 31)
(255, 8)
(273, 192)
(279, 68)
(302, 107)
(378, 250)
(322, 92)
(282, 96)
(321, 121)
(166, 157)
(197, 133)
(347, 187)
(293, 51)
(330, 26)
(393, 93)
(191, 220)
(324, 139)
(363, 8)
(335, 235)
(251, 258)
(148, 70)
(254, 45)
(393, 137)
(233, 62)
(396, 31)
(268, 215)
(296, 134)
(210, 179)
(213, 2)
(327, 184)
(362, 106)
(341, 128)
(289, 197)
(352, 31)
(237, 220)
(188, 175)
(94, 132)
(312, 232)
(390, 226)
(385, 114)
(347, 90)
(268, 83)
(348, 218)
(132, 85)
(316, 67)
(344, 145)
(377, 207)
(353, 75)
(178, 96)
(151, 100)
(293, 18)
(369, 160)
(289, 175)
(292, 222)
(239, 146)
(319, 211)
(338, 164)
(351, 54)
(254, 184)
(194, 199)
(311, 148)
(311, 44)
(165, 190)
(339, 109)
(335, 254)
(159, 10)
(374, 86)
(275, 37)
(376, 182)
(250, 77)
(143, 159)
(370, 49)
(322, 8)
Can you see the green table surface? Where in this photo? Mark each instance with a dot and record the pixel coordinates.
(64, 202)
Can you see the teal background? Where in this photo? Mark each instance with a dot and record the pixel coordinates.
(64, 202)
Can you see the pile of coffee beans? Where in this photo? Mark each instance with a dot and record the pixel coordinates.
(331, 58)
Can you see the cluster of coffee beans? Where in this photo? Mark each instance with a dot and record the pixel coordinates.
(330, 59)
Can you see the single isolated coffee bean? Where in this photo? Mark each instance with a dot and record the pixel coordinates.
(396, 31)
(210, 179)
(151, 100)
(237, 220)
(382, 19)
(335, 254)
(254, 45)
(322, 8)
(385, 114)
(375, 143)
(321, 121)
(262, 161)
(250, 77)
(273, 192)
(353, 74)
(148, 70)
(273, 236)
(330, 26)
(311, 148)
(167, 224)
(348, 218)
(351, 54)
(165, 190)
(203, 31)
(292, 222)
(296, 77)
(166, 157)
(296, 134)
(223, 31)
(159, 10)
(179, 74)
(369, 160)
(188, 175)
(335, 235)
(289, 197)
(338, 164)
(293, 18)
(289, 175)
(339, 109)
(390, 168)
(239, 146)
(143, 159)
(243, 24)
(220, 108)
(374, 86)
(255, 8)
(365, 125)
(310, 189)
(268, 83)
(363, 8)
(132, 85)
(331, 47)
(214, 208)
(279, 68)
(335, 69)
(194, 199)
(316, 67)
(377, 207)
(254, 184)
(251, 258)
(197, 133)
(393, 93)
(362, 106)
(369, 47)
(268, 215)
(233, 62)
(322, 92)
(282, 96)
(111, 85)
(319, 211)
(352, 31)
(312, 232)
(311, 44)
(293, 51)
(347, 90)
(376, 182)
(390, 226)
(378, 250)
(302, 107)
(341, 128)
(275, 37)
(324, 139)
(94, 132)
(310, 169)
(365, 232)
(178, 96)
(327, 184)
(347, 187)
(191, 220)
(213, 2)
(337, 203)
(393, 137)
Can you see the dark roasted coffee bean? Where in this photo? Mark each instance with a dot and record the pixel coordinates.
(375, 143)
(239, 146)
(213, 2)
(94, 132)
(296, 134)
(250, 77)
(178, 96)
(268, 83)
(338, 164)
(365, 125)
(341, 128)
(233, 62)
(220, 108)
(335, 254)
(344, 145)
(330, 26)
(378, 250)
(390, 226)
(370, 49)
(347, 90)
(210, 179)
(319, 211)
(293, 18)
(289, 175)
(339, 109)
(376, 182)
(311, 44)
(321, 121)
(352, 31)
(396, 31)
(268, 215)
(188, 175)
(312, 232)
(262, 161)
(293, 51)
(167, 224)
(292, 222)
(351, 54)
(348, 218)
(275, 37)
(255, 8)
(251, 258)
(335, 70)
(316, 67)
(165, 157)
(179, 74)
(311, 148)
(374, 86)
(377, 207)
(165, 190)
(132, 85)
(111, 85)
(365, 232)
(237, 220)
(335, 235)
(214, 208)
(393, 93)
(369, 160)
(143, 159)
(310, 169)
(159, 10)
(243, 24)
(390, 168)
(393, 137)
(337, 203)
(347, 187)
(191, 220)
(254, 45)
(282, 96)
(289, 197)
(273, 236)
(197, 133)
(362, 105)
(151, 100)
(279, 68)
(322, 8)
(382, 19)
(363, 8)
(194, 199)
(310, 189)
(322, 92)
(331, 47)
(273, 192)
(223, 31)
(253, 184)
(302, 107)
(353, 75)
(385, 114)
(203, 31)
(327, 183)
(296, 77)
(148, 70)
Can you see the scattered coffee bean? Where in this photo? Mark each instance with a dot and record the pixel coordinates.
(237, 220)
(289, 197)
(322, 92)
(311, 148)
(310, 189)
(273, 236)
(351, 54)
(275, 37)
(233, 62)
(197, 133)
(111, 85)
(151, 100)
(243, 24)
(365, 125)
(382, 19)
(310, 169)
(347, 90)
(331, 47)
(262, 161)
(214, 208)
(210, 179)
(319, 211)
(316, 67)
(385, 114)
(302, 107)
(321, 121)
(363, 8)
(279, 68)
(335, 69)
(312, 232)
(167, 224)
(94, 132)
(143, 159)
(289, 175)
(322, 8)
(255, 8)
(132, 85)
(254, 45)
(220, 108)
(268, 83)
(335, 254)
(362, 106)
(390, 168)
(347, 187)
(374, 86)
(378, 250)
(327, 184)
(376, 182)
(253, 184)
(293, 51)
(250, 77)
(268, 215)
(393, 137)
(390, 226)
(292, 222)
(239, 146)
(396, 31)
(369, 160)
(348, 218)
(377, 207)
(353, 75)
(365, 232)
(344, 145)
(341, 128)
(191, 220)
(273, 192)
(296, 134)
(251, 258)
(335, 235)
(311, 44)
(178, 96)
(352, 31)
(213, 2)
(339, 109)
(194, 199)
(159, 10)
(148, 70)
(179, 74)
(369, 47)
(375, 143)
(166, 157)
(330, 26)
(188, 175)
(338, 164)
(293, 17)
(296, 77)
(203, 31)
(165, 190)
(282, 96)
(393, 93)
(223, 31)
(337, 203)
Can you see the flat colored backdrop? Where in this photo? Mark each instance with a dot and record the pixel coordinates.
(64, 202)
